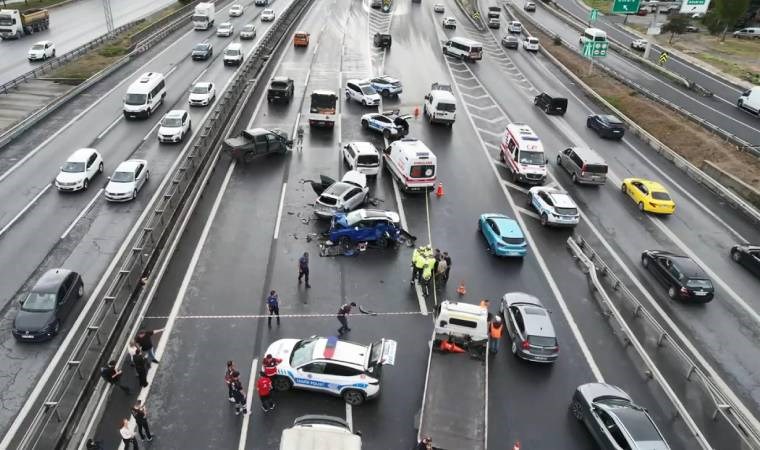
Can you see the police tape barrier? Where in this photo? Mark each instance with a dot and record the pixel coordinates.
(55, 406)
(701, 394)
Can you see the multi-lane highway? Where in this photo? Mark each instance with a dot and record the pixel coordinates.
(71, 25)
(248, 235)
(41, 228)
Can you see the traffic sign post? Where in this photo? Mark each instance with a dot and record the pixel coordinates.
(592, 50)
(664, 57)
(625, 6)
(593, 15)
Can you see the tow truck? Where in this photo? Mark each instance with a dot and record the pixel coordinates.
(454, 404)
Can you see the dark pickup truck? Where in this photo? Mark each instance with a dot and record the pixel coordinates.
(280, 89)
(256, 142)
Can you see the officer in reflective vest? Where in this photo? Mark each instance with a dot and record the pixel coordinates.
(494, 333)
(427, 273)
(415, 270)
(419, 264)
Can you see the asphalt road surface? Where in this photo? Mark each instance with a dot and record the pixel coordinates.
(71, 25)
(42, 228)
(253, 225)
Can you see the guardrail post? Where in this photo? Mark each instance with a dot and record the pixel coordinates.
(97, 335)
(692, 369)
(661, 339)
(76, 364)
(111, 299)
(53, 405)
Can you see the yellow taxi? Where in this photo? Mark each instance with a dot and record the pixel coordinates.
(649, 195)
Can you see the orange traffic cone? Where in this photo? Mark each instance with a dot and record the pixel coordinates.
(416, 112)
(516, 446)
(461, 289)
(439, 190)
(451, 347)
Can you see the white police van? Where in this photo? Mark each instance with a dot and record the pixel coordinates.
(332, 366)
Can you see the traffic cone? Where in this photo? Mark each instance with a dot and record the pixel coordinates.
(516, 446)
(461, 289)
(439, 190)
(416, 112)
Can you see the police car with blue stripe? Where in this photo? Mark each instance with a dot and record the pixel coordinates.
(554, 207)
(391, 124)
(386, 85)
(332, 366)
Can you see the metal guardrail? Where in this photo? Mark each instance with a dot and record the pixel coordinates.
(701, 391)
(78, 373)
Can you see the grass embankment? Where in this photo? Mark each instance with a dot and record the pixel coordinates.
(677, 132)
(604, 6)
(107, 53)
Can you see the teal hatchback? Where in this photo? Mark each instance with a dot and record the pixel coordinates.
(503, 234)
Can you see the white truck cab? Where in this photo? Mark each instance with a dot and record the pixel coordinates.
(203, 16)
(320, 432)
(440, 104)
(523, 154)
(412, 163)
(750, 100)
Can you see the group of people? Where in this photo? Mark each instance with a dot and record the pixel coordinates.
(429, 265)
(236, 393)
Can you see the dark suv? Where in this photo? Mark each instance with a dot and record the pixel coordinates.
(47, 304)
(682, 276)
(551, 105)
(382, 40)
(280, 89)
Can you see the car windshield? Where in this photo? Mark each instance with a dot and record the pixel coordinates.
(171, 122)
(612, 120)
(123, 177)
(302, 352)
(532, 157)
(281, 85)
(232, 52)
(39, 302)
(248, 28)
(659, 195)
(38, 47)
(135, 99)
(699, 283)
(367, 160)
(368, 90)
(73, 167)
(200, 89)
(447, 107)
(542, 341)
(201, 47)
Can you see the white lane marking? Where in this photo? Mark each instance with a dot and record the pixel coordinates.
(306, 81)
(86, 110)
(397, 194)
(420, 298)
(82, 213)
(295, 127)
(511, 185)
(316, 47)
(203, 72)
(279, 211)
(249, 400)
(528, 212)
(349, 418)
(652, 165)
(23, 211)
(108, 128)
(170, 71)
(153, 128)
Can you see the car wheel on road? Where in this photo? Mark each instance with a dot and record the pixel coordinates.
(514, 347)
(134, 194)
(56, 327)
(641, 206)
(623, 188)
(736, 256)
(544, 220)
(365, 124)
(86, 184)
(249, 156)
(645, 262)
(364, 102)
(353, 397)
(147, 175)
(100, 168)
(345, 242)
(386, 93)
(281, 384)
(575, 178)
(576, 409)
(383, 242)
(386, 133)
(559, 161)
(80, 291)
(672, 292)
(588, 123)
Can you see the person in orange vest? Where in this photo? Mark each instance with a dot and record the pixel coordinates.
(269, 363)
(494, 333)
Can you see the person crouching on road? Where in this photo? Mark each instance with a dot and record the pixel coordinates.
(495, 331)
(264, 386)
(269, 364)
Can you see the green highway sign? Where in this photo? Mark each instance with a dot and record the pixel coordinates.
(595, 49)
(695, 2)
(626, 6)
(593, 15)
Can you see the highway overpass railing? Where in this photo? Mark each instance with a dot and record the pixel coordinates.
(701, 399)
(56, 404)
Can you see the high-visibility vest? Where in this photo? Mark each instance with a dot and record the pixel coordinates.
(496, 331)
(415, 255)
(427, 272)
(420, 263)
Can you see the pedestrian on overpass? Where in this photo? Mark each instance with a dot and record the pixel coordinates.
(273, 303)
(238, 394)
(141, 417)
(145, 342)
(231, 368)
(343, 313)
(113, 376)
(494, 333)
(303, 268)
(142, 366)
(264, 386)
(127, 435)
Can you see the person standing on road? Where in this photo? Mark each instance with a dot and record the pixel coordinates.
(343, 313)
(447, 258)
(419, 265)
(142, 365)
(415, 271)
(141, 417)
(269, 364)
(440, 272)
(127, 435)
(231, 368)
(145, 342)
(494, 333)
(273, 303)
(485, 304)
(427, 273)
(238, 394)
(113, 376)
(303, 268)
(425, 444)
(264, 386)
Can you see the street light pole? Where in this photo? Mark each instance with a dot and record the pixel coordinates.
(109, 15)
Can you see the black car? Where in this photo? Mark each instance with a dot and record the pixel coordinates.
(684, 279)
(613, 419)
(280, 89)
(202, 51)
(256, 142)
(606, 126)
(47, 304)
(510, 42)
(383, 40)
(748, 256)
(551, 105)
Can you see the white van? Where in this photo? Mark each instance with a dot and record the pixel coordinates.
(319, 432)
(233, 54)
(463, 48)
(145, 95)
(412, 163)
(440, 104)
(593, 35)
(750, 100)
(523, 154)
(362, 157)
(514, 27)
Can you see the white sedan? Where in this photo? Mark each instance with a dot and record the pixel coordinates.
(639, 44)
(267, 15)
(127, 180)
(225, 29)
(202, 94)
(438, 8)
(236, 10)
(41, 51)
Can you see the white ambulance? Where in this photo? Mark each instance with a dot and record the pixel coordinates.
(523, 154)
(412, 163)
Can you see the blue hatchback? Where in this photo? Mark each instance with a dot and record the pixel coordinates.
(503, 234)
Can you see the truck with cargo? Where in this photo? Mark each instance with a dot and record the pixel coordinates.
(454, 402)
(14, 23)
(494, 12)
(203, 16)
